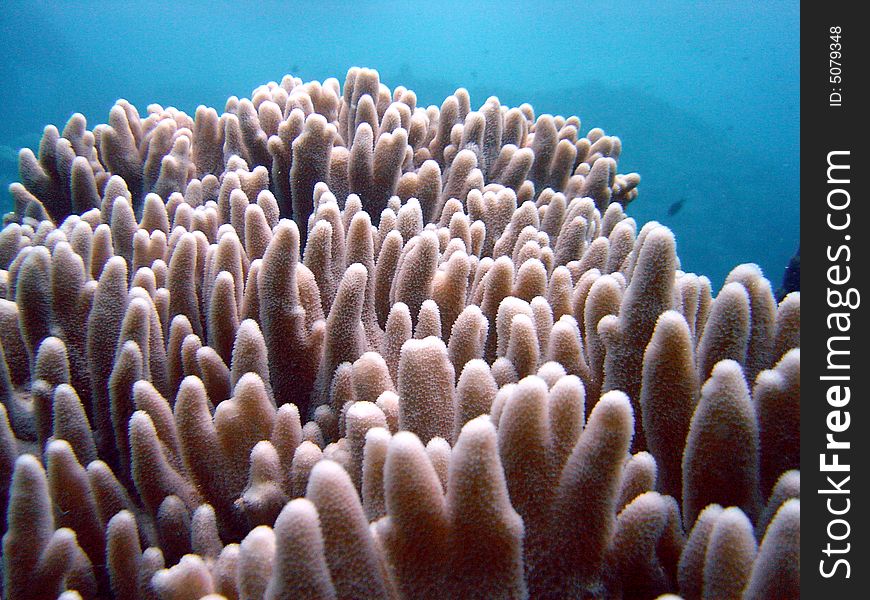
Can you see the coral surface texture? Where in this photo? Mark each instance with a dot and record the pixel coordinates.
(331, 344)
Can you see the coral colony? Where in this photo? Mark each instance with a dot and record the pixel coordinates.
(333, 344)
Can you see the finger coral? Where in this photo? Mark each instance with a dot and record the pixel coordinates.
(330, 343)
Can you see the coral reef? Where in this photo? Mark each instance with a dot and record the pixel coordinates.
(333, 344)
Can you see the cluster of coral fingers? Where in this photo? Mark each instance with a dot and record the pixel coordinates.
(330, 344)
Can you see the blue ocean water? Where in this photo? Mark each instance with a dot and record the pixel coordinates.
(704, 95)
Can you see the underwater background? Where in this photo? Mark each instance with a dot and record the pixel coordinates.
(704, 95)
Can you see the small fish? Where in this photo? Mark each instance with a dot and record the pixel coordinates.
(676, 207)
(791, 279)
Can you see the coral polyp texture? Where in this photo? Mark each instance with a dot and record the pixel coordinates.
(333, 344)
